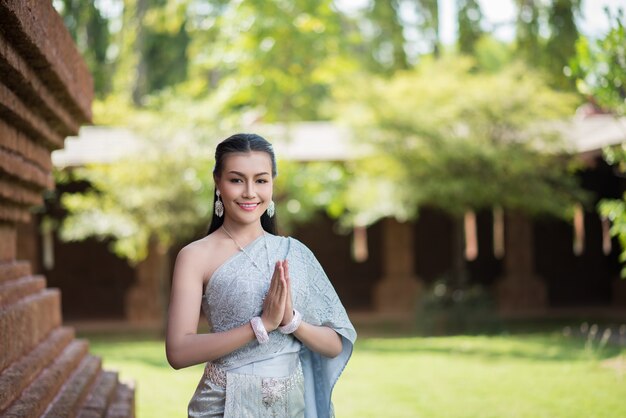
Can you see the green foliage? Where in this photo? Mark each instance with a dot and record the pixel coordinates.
(546, 34)
(157, 193)
(387, 39)
(469, 17)
(614, 209)
(529, 43)
(492, 55)
(162, 189)
(275, 58)
(447, 309)
(601, 72)
(302, 190)
(462, 139)
(600, 67)
(89, 29)
(561, 44)
(183, 73)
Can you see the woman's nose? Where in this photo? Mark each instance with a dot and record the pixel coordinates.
(249, 190)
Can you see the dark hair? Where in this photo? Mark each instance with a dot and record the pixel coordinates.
(242, 143)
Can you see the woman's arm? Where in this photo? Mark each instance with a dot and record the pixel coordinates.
(321, 339)
(184, 346)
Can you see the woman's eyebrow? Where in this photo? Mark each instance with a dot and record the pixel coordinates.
(243, 175)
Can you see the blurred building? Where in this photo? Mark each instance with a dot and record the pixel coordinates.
(529, 265)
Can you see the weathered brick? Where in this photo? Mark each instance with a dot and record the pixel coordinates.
(11, 213)
(123, 406)
(13, 110)
(11, 292)
(100, 396)
(22, 372)
(8, 241)
(37, 32)
(35, 95)
(35, 152)
(75, 390)
(24, 323)
(14, 269)
(16, 166)
(19, 194)
(37, 396)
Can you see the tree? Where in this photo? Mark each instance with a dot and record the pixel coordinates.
(551, 52)
(469, 17)
(561, 44)
(600, 68)
(527, 32)
(279, 59)
(89, 29)
(461, 140)
(387, 38)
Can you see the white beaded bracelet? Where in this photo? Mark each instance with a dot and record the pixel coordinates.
(259, 330)
(293, 325)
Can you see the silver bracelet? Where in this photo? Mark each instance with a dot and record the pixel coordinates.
(259, 330)
(293, 325)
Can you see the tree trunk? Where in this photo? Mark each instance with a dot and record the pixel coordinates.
(140, 82)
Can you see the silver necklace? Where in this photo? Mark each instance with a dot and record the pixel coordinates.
(248, 255)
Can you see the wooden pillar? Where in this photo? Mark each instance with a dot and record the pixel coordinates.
(520, 290)
(399, 288)
(146, 300)
(619, 292)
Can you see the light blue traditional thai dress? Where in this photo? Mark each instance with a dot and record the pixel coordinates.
(281, 378)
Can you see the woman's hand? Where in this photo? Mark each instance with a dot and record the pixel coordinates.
(274, 303)
(288, 315)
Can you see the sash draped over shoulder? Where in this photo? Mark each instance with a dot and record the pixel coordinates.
(235, 293)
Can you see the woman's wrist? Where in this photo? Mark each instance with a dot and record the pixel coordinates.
(260, 330)
(293, 325)
(269, 326)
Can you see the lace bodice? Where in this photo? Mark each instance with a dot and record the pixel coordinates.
(235, 293)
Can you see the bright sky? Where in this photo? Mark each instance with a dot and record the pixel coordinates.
(501, 13)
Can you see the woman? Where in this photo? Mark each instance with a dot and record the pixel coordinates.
(280, 336)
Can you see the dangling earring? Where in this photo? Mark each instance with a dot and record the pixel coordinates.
(219, 206)
(271, 208)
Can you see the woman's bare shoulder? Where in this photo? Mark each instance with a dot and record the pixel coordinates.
(199, 255)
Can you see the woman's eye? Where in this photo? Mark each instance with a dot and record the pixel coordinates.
(235, 180)
(263, 181)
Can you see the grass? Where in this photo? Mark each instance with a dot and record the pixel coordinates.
(506, 376)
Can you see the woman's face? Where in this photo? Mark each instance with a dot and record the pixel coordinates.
(245, 184)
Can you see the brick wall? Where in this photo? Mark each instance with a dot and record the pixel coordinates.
(45, 95)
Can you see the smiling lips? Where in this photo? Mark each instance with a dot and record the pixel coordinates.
(249, 207)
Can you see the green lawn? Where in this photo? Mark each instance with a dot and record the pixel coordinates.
(528, 375)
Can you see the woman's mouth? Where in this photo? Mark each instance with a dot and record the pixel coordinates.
(249, 207)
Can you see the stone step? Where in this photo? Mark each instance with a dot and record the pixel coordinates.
(123, 405)
(12, 291)
(35, 398)
(74, 391)
(24, 323)
(14, 270)
(100, 397)
(22, 372)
